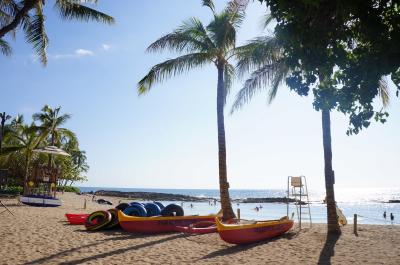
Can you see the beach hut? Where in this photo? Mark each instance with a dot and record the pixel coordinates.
(43, 182)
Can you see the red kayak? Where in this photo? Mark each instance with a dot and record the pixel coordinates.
(76, 219)
(202, 227)
(248, 232)
(158, 224)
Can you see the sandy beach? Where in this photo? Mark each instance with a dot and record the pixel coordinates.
(41, 236)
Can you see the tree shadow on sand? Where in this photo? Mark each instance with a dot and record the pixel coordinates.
(66, 253)
(328, 251)
(238, 248)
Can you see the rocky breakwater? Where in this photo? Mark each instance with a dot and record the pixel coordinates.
(150, 196)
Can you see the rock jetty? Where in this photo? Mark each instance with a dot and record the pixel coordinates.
(150, 196)
(157, 196)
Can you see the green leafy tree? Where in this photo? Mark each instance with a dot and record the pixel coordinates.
(29, 16)
(202, 45)
(73, 167)
(23, 139)
(340, 51)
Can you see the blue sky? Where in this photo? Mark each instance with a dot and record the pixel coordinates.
(167, 139)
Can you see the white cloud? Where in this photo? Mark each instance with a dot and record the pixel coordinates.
(106, 47)
(78, 53)
(83, 52)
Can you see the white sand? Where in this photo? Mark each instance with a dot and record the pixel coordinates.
(41, 236)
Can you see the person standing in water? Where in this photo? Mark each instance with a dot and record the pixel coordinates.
(391, 216)
(384, 214)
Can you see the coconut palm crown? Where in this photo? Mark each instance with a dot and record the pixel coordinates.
(29, 15)
(201, 45)
(51, 122)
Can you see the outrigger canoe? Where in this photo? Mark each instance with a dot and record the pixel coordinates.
(158, 224)
(76, 219)
(252, 231)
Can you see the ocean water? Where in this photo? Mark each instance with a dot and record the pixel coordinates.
(369, 204)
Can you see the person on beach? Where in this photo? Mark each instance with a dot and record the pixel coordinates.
(391, 216)
(384, 214)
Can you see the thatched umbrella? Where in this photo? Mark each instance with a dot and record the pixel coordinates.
(53, 150)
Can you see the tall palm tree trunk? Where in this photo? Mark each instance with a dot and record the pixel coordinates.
(26, 177)
(223, 181)
(333, 226)
(50, 155)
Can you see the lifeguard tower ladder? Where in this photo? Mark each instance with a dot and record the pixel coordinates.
(297, 190)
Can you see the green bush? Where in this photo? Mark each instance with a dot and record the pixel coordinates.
(68, 189)
(12, 190)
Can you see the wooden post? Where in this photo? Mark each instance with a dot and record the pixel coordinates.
(355, 224)
(84, 204)
(238, 213)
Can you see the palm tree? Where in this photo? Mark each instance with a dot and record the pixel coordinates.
(29, 15)
(200, 46)
(23, 139)
(264, 58)
(51, 121)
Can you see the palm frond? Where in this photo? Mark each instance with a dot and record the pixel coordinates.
(266, 20)
(383, 90)
(18, 120)
(60, 120)
(190, 37)
(236, 10)
(210, 4)
(170, 68)
(229, 76)
(5, 18)
(35, 34)
(257, 53)
(68, 134)
(8, 9)
(75, 10)
(222, 31)
(5, 48)
(7, 150)
(267, 77)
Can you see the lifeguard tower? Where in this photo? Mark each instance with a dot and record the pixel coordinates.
(297, 191)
